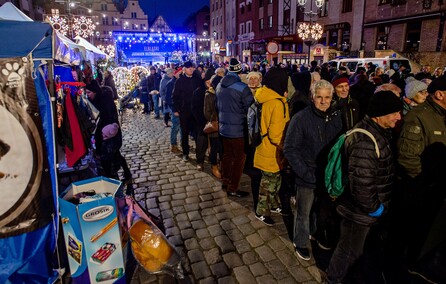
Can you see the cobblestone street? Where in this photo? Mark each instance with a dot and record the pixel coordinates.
(219, 238)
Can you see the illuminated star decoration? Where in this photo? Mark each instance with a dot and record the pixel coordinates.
(83, 26)
(109, 49)
(59, 24)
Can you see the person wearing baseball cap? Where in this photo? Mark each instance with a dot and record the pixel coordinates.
(422, 156)
(348, 106)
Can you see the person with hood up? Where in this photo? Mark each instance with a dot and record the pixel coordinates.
(269, 154)
(301, 98)
(233, 100)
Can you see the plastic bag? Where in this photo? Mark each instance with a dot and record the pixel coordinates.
(152, 250)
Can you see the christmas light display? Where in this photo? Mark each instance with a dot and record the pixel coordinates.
(60, 24)
(83, 26)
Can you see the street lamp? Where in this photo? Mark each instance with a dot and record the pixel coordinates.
(310, 31)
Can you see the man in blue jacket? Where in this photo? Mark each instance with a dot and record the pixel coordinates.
(233, 101)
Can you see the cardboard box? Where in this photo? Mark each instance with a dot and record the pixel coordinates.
(94, 244)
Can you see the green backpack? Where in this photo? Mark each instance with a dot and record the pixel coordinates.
(336, 178)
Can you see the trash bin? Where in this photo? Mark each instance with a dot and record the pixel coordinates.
(94, 242)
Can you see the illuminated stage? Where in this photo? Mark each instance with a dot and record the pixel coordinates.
(151, 48)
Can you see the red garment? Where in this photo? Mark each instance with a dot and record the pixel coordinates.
(79, 148)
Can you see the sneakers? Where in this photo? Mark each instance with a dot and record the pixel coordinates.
(279, 210)
(324, 245)
(185, 158)
(265, 219)
(303, 253)
(200, 167)
(175, 149)
(238, 193)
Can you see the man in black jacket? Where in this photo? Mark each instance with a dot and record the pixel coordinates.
(307, 142)
(371, 176)
(182, 97)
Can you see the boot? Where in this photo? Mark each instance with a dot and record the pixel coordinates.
(175, 150)
(216, 171)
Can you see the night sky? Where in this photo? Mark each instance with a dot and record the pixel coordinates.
(173, 11)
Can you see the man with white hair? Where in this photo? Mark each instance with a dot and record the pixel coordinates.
(307, 143)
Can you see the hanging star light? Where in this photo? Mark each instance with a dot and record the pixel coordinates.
(316, 31)
(110, 49)
(303, 31)
(60, 24)
(83, 26)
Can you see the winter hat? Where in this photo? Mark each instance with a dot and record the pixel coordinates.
(110, 131)
(414, 86)
(215, 80)
(437, 85)
(188, 64)
(276, 79)
(179, 70)
(94, 87)
(339, 79)
(383, 103)
(208, 74)
(234, 66)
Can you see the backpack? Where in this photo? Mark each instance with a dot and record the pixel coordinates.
(336, 178)
(254, 117)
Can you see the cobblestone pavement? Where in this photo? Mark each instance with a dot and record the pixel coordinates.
(219, 238)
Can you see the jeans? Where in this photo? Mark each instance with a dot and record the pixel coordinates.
(216, 149)
(305, 219)
(233, 162)
(156, 104)
(175, 129)
(201, 144)
(348, 250)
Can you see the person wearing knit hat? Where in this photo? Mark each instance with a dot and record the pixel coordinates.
(234, 99)
(416, 93)
(215, 80)
(234, 66)
(348, 106)
(108, 136)
(371, 171)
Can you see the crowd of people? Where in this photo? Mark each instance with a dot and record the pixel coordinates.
(394, 189)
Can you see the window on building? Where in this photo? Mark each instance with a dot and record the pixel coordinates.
(134, 26)
(221, 19)
(216, 4)
(324, 10)
(105, 20)
(242, 10)
(242, 28)
(261, 24)
(260, 3)
(221, 3)
(103, 7)
(413, 34)
(249, 27)
(221, 35)
(347, 6)
(133, 15)
(249, 7)
(54, 11)
(213, 6)
(143, 26)
(270, 1)
(270, 22)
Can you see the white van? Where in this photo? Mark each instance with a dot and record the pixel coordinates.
(394, 63)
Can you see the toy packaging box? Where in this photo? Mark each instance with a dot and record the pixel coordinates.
(94, 242)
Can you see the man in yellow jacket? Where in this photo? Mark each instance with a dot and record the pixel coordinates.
(269, 154)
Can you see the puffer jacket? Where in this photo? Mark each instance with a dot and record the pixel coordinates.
(370, 178)
(275, 115)
(233, 101)
(308, 140)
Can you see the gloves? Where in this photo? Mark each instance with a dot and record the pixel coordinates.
(378, 211)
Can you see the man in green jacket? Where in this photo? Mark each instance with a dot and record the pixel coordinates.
(422, 157)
